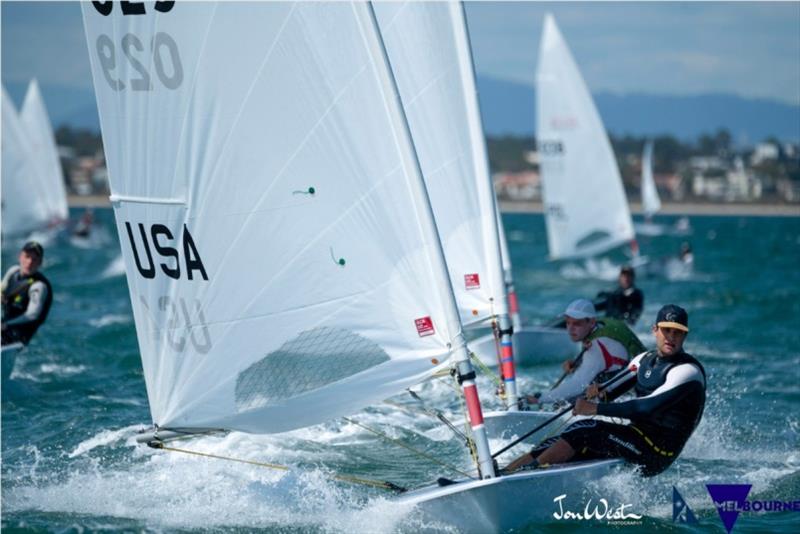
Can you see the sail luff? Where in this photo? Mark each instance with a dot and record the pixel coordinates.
(405, 144)
(484, 185)
(458, 343)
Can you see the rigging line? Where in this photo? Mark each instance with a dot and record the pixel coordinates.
(483, 368)
(406, 446)
(345, 478)
(440, 416)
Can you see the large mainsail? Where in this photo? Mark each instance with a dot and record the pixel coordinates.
(429, 54)
(651, 203)
(585, 206)
(23, 206)
(44, 151)
(282, 259)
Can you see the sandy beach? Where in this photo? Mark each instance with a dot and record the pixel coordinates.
(686, 208)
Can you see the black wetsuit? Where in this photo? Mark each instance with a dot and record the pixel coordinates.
(671, 395)
(16, 298)
(623, 304)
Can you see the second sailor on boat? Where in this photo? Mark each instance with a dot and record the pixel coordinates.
(670, 388)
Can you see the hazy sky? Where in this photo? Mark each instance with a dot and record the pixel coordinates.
(750, 49)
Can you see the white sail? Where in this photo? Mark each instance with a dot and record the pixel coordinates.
(23, 201)
(45, 154)
(282, 259)
(651, 203)
(586, 209)
(429, 54)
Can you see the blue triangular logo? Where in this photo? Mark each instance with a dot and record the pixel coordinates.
(681, 513)
(729, 499)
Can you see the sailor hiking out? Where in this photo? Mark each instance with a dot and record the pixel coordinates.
(670, 387)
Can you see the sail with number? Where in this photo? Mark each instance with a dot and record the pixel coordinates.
(45, 153)
(585, 206)
(282, 258)
(23, 198)
(428, 49)
(651, 203)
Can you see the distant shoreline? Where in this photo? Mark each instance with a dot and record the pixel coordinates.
(688, 208)
(683, 208)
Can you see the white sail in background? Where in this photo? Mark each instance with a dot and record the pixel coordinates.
(23, 199)
(651, 203)
(45, 153)
(586, 209)
(281, 255)
(429, 54)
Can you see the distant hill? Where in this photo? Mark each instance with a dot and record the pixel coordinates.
(509, 108)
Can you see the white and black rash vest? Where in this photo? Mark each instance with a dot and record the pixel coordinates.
(671, 395)
(27, 301)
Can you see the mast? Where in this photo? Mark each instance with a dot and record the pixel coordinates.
(458, 347)
(487, 197)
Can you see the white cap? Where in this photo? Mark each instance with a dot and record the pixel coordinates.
(580, 309)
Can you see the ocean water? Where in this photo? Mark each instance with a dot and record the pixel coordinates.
(77, 397)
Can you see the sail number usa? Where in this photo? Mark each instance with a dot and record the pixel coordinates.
(160, 53)
(175, 264)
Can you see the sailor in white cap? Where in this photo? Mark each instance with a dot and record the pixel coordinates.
(607, 346)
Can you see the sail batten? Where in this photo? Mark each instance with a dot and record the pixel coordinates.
(300, 277)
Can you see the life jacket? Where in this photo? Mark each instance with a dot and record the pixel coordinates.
(618, 331)
(682, 416)
(17, 299)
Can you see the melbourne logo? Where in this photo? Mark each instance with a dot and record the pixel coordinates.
(681, 513)
(731, 500)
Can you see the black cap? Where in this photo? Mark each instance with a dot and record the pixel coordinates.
(33, 247)
(627, 269)
(672, 316)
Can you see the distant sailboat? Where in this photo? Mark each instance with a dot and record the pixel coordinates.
(585, 206)
(45, 153)
(281, 252)
(651, 203)
(24, 204)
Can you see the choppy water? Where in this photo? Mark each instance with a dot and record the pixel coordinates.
(69, 461)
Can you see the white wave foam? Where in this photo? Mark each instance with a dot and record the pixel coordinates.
(110, 319)
(102, 439)
(115, 268)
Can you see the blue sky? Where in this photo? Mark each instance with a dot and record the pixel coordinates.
(750, 49)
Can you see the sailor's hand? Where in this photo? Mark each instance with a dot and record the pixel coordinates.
(533, 399)
(568, 366)
(592, 391)
(584, 407)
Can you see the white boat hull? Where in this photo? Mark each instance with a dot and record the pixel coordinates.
(504, 503)
(511, 425)
(532, 344)
(9, 358)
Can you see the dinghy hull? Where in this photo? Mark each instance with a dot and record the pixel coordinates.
(508, 502)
